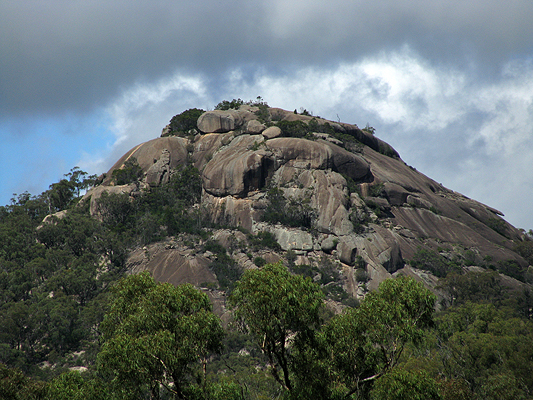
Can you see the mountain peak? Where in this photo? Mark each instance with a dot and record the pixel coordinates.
(323, 189)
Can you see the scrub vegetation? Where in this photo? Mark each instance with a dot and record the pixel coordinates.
(75, 325)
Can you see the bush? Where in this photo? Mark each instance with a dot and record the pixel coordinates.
(185, 121)
(234, 104)
(433, 262)
(116, 210)
(369, 129)
(361, 275)
(304, 269)
(224, 267)
(259, 261)
(359, 220)
(498, 225)
(525, 249)
(289, 212)
(297, 129)
(513, 269)
(129, 173)
(170, 204)
(263, 240)
(376, 190)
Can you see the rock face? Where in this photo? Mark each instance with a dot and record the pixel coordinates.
(217, 121)
(157, 156)
(368, 206)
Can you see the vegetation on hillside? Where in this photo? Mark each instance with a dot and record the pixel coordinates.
(184, 123)
(67, 305)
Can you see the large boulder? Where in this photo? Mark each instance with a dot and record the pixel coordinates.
(255, 127)
(332, 203)
(206, 145)
(323, 190)
(271, 132)
(318, 155)
(95, 193)
(238, 168)
(293, 239)
(230, 210)
(172, 148)
(159, 172)
(217, 121)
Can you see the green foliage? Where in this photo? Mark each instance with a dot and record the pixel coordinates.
(66, 192)
(405, 385)
(169, 206)
(359, 219)
(525, 249)
(342, 358)
(73, 386)
(130, 172)
(297, 129)
(14, 385)
(498, 225)
(306, 270)
(184, 122)
(502, 387)
(290, 212)
(157, 335)
(513, 269)
(235, 104)
(433, 262)
(329, 271)
(487, 348)
(376, 190)
(224, 267)
(455, 389)
(263, 240)
(376, 208)
(351, 185)
(116, 210)
(54, 293)
(480, 287)
(369, 129)
(435, 210)
(51, 283)
(273, 306)
(227, 105)
(361, 275)
(368, 341)
(60, 195)
(259, 261)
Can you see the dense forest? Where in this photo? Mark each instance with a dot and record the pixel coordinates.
(75, 325)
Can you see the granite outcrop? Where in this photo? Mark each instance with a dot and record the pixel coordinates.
(370, 209)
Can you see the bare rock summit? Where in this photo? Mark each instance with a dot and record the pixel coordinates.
(366, 208)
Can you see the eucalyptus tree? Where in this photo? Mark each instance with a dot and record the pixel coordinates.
(158, 336)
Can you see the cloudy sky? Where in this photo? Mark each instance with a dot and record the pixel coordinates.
(449, 84)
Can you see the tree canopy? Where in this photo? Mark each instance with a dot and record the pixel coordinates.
(342, 357)
(157, 335)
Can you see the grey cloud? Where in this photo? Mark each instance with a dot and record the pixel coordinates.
(75, 55)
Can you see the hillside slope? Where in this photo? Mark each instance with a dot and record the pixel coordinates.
(335, 197)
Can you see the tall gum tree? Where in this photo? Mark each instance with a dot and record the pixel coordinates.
(158, 335)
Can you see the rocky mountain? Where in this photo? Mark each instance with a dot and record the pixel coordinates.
(337, 200)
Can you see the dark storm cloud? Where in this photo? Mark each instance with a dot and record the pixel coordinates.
(58, 55)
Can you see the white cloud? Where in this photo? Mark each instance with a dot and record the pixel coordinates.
(508, 106)
(471, 137)
(132, 107)
(140, 113)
